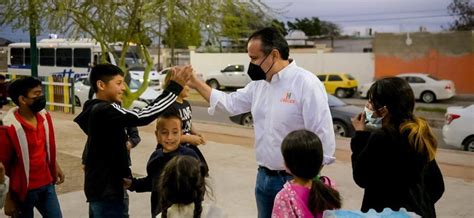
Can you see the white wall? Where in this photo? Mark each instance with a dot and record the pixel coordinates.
(359, 65)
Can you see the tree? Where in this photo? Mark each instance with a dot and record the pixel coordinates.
(280, 26)
(115, 25)
(463, 10)
(314, 27)
(240, 18)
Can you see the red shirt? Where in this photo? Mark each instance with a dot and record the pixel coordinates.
(39, 171)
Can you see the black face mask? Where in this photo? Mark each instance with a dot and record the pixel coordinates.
(38, 104)
(255, 72)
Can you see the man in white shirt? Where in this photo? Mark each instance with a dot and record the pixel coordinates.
(282, 98)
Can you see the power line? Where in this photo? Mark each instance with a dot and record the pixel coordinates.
(387, 19)
(377, 13)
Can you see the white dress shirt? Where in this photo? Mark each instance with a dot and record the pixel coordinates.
(294, 99)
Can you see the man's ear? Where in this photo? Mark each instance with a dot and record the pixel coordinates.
(276, 53)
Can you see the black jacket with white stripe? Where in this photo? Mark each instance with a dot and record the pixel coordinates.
(106, 160)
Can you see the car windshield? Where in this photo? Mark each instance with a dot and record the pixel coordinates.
(131, 58)
(334, 101)
(138, 68)
(134, 84)
(350, 77)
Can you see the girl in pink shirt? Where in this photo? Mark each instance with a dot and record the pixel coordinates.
(304, 196)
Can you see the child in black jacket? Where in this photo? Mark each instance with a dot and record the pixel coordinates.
(168, 133)
(104, 122)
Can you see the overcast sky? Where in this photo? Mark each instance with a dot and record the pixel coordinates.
(380, 15)
(351, 15)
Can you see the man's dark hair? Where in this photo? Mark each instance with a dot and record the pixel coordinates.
(2, 77)
(271, 39)
(21, 87)
(103, 72)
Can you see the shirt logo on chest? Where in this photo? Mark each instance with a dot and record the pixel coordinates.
(287, 98)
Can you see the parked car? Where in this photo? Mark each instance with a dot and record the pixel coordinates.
(426, 87)
(233, 76)
(82, 87)
(137, 73)
(340, 111)
(340, 84)
(458, 129)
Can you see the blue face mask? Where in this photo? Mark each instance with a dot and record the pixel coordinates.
(373, 122)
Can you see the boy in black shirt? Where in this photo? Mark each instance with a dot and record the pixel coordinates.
(168, 135)
(104, 122)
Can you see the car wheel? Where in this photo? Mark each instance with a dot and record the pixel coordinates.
(213, 84)
(469, 145)
(77, 102)
(340, 128)
(428, 97)
(247, 120)
(340, 93)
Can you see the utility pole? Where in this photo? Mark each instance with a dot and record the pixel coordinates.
(33, 22)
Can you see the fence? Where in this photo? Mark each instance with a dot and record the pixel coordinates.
(58, 90)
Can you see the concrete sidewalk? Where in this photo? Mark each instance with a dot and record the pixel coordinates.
(233, 170)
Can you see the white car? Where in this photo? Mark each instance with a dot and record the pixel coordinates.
(137, 73)
(82, 87)
(232, 76)
(458, 129)
(425, 87)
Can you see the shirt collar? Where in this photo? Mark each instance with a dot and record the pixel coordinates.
(284, 72)
(39, 120)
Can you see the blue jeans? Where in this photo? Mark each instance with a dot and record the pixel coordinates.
(106, 209)
(267, 186)
(44, 199)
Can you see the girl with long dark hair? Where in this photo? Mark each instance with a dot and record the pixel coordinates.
(305, 195)
(395, 162)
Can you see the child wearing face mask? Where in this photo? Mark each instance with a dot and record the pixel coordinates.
(168, 135)
(395, 164)
(28, 133)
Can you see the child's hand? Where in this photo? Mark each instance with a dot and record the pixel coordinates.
(59, 175)
(2, 173)
(203, 141)
(127, 183)
(359, 122)
(194, 140)
(181, 75)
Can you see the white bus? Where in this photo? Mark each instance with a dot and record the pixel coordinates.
(58, 56)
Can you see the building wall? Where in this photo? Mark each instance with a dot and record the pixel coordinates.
(444, 55)
(360, 65)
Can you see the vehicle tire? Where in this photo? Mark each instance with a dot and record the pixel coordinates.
(213, 84)
(428, 97)
(469, 144)
(340, 128)
(77, 101)
(340, 93)
(247, 120)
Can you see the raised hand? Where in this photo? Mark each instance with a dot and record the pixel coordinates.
(181, 75)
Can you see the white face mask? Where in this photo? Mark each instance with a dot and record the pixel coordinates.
(373, 122)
